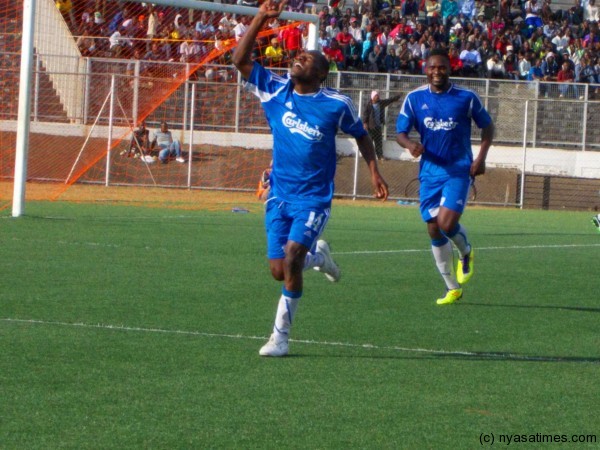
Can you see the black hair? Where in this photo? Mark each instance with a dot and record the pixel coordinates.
(321, 63)
(439, 52)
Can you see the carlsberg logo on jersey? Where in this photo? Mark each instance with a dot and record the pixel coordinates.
(298, 126)
(440, 124)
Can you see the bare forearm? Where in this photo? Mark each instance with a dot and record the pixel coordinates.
(416, 149)
(242, 57)
(403, 140)
(478, 166)
(366, 148)
(487, 136)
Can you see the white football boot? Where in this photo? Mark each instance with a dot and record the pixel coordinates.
(276, 346)
(329, 268)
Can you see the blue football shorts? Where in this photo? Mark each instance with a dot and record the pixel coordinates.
(450, 192)
(294, 222)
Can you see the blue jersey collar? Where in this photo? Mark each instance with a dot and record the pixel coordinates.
(437, 93)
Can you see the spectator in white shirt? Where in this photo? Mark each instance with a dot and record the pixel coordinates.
(471, 59)
(226, 24)
(204, 27)
(524, 66)
(355, 30)
(495, 67)
(240, 29)
(560, 41)
(590, 12)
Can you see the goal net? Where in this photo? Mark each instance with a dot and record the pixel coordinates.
(102, 68)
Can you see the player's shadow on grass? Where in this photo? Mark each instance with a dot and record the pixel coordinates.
(500, 356)
(550, 233)
(471, 356)
(568, 308)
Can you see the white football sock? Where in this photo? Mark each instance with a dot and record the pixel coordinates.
(286, 310)
(444, 260)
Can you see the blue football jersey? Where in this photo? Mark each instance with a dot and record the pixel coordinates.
(304, 129)
(444, 122)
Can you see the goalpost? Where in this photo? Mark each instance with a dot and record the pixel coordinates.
(24, 108)
(27, 84)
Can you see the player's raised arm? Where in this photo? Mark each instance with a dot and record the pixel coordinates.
(365, 146)
(242, 57)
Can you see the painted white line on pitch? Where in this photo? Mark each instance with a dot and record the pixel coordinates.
(110, 218)
(508, 247)
(491, 355)
(356, 252)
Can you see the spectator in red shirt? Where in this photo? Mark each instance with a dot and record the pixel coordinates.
(292, 41)
(343, 38)
(456, 64)
(383, 37)
(497, 25)
(500, 43)
(566, 76)
(334, 54)
(402, 29)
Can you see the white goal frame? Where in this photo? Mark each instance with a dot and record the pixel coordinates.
(26, 75)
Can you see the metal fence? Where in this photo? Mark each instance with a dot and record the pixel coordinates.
(527, 115)
(560, 120)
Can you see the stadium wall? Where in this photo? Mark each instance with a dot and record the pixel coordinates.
(543, 161)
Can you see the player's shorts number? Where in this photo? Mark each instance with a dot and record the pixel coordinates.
(315, 221)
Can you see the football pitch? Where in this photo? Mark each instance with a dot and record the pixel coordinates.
(137, 327)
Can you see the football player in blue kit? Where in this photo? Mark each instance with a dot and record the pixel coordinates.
(442, 112)
(304, 119)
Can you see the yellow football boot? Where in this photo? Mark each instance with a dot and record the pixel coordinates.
(452, 295)
(464, 268)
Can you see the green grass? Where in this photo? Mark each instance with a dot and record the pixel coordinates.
(124, 327)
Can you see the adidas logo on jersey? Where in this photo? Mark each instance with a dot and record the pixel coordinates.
(298, 126)
(424, 106)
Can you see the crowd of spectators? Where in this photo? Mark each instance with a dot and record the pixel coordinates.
(10, 45)
(507, 39)
(512, 39)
